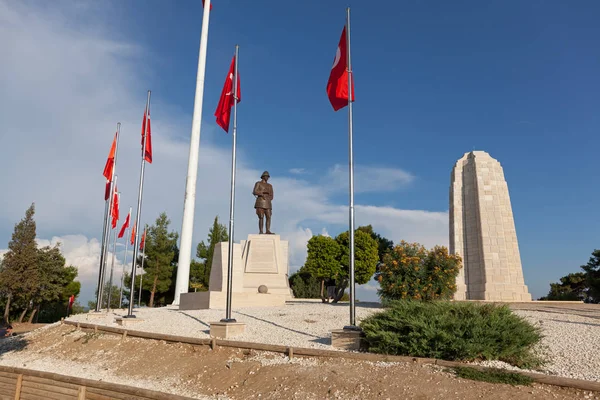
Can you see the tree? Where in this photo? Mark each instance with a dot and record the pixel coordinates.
(304, 285)
(366, 258)
(200, 275)
(592, 270)
(19, 275)
(161, 247)
(571, 287)
(51, 274)
(323, 259)
(384, 245)
(411, 271)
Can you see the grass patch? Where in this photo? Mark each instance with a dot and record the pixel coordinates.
(453, 331)
(493, 376)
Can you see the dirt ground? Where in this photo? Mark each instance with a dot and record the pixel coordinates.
(244, 374)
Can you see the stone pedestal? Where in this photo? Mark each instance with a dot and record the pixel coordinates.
(226, 330)
(347, 339)
(259, 260)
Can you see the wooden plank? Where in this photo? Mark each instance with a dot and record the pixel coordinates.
(115, 395)
(51, 382)
(18, 387)
(9, 375)
(81, 394)
(95, 396)
(8, 387)
(27, 390)
(55, 386)
(9, 381)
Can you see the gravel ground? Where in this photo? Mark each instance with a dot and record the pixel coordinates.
(298, 324)
(571, 343)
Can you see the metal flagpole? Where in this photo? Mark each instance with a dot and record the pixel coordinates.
(351, 168)
(232, 199)
(101, 270)
(112, 264)
(124, 262)
(142, 276)
(138, 214)
(106, 230)
(185, 248)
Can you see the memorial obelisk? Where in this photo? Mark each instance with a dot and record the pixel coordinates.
(482, 232)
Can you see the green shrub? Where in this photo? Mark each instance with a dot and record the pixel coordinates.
(453, 331)
(410, 271)
(493, 376)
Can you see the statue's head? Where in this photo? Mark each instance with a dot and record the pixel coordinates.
(265, 175)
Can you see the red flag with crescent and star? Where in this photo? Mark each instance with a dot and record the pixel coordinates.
(132, 241)
(125, 225)
(115, 208)
(143, 241)
(109, 166)
(223, 112)
(147, 132)
(337, 85)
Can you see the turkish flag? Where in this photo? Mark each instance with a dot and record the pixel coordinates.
(115, 208)
(125, 226)
(203, 5)
(223, 112)
(337, 85)
(110, 161)
(107, 190)
(142, 243)
(147, 132)
(71, 300)
(132, 241)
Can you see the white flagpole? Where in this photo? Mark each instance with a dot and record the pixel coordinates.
(232, 198)
(106, 231)
(112, 264)
(138, 213)
(185, 248)
(351, 174)
(124, 261)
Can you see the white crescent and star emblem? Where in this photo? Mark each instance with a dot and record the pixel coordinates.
(230, 78)
(338, 55)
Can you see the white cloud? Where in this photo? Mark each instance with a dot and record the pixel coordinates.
(64, 87)
(367, 178)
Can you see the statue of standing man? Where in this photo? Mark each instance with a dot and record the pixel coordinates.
(264, 195)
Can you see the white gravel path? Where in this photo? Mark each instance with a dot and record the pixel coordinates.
(571, 342)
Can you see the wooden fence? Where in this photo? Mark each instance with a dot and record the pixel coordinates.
(19, 383)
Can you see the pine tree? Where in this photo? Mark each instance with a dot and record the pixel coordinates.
(160, 250)
(216, 234)
(19, 273)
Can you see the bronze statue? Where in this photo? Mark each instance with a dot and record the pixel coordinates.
(264, 195)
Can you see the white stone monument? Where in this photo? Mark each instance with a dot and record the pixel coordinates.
(261, 261)
(482, 232)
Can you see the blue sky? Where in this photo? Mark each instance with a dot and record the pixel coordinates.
(434, 80)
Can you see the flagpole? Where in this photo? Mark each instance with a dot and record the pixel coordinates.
(138, 213)
(142, 276)
(106, 231)
(124, 263)
(185, 248)
(112, 264)
(351, 176)
(232, 198)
